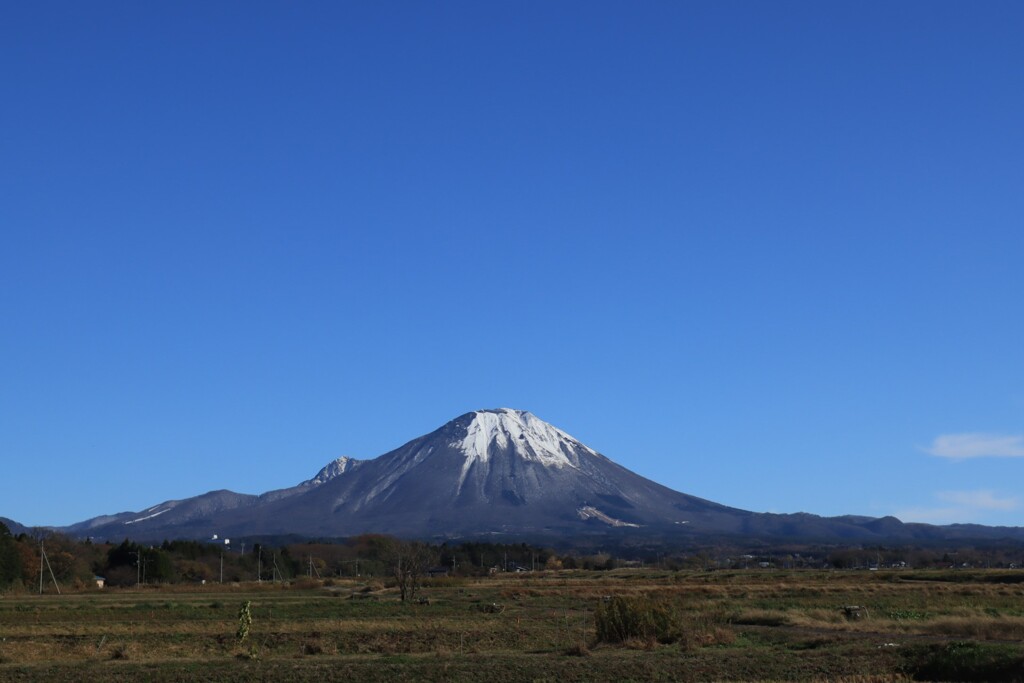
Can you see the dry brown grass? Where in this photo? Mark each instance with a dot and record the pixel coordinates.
(881, 678)
(976, 627)
(762, 617)
(728, 619)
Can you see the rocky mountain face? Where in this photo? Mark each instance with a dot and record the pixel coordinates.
(490, 472)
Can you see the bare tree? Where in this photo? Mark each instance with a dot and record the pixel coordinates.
(409, 561)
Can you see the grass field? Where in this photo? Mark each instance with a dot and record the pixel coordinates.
(764, 625)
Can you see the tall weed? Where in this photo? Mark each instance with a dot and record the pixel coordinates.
(623, 619)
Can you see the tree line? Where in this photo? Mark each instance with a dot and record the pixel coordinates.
(77, 564)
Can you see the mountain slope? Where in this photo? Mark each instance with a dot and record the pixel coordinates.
(202, 511)
(13, 526)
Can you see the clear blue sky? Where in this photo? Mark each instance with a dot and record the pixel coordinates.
(767, 253)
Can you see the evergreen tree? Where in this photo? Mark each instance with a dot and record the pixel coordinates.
(10, 564)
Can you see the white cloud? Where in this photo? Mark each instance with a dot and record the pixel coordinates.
(960, 507)
(977, 445)
(982, 500)
(934, 515)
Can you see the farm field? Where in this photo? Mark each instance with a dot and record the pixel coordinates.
(623, 625)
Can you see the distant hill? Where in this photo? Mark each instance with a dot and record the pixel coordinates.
(13, 526)
(497, 474)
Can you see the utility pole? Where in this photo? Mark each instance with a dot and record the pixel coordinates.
(227, 544)
(138, 566)
(44, 559)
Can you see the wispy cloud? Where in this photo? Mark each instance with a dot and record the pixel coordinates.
(977, 445)
(982, 500)
(934, 515)
(961, 507)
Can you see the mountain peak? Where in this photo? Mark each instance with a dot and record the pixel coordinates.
(518, 431)
(333, 469)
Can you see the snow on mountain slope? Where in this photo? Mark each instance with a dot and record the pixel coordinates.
(529, 437)
(333, 469)
(515, 433)
(591, 512)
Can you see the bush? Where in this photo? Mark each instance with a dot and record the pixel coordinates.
(623, 619)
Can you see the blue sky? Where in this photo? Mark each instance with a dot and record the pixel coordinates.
(769, 254)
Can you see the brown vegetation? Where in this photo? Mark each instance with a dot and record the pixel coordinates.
(551, 625)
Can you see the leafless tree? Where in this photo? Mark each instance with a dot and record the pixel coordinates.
(409, 561)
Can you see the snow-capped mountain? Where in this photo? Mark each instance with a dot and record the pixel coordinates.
(492, 470)
(486, 472)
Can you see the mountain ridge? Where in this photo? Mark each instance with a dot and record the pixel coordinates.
(495, 471)
(14, 527)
